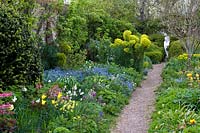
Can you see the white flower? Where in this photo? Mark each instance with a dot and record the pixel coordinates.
(74, 87)
(69, 92)
(49, 81)
(74, 93)
(79, 90)
(14, 99)
(81, 99)
(81, 93)
(24, 89)
(38, 101)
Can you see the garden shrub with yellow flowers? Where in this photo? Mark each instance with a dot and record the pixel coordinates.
(178, 103)
(129, 51)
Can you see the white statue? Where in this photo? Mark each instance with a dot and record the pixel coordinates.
(166, 43)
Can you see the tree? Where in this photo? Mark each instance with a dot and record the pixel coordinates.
(182, 21)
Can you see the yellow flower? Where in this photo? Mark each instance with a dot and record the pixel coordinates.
(144, 36)
(118, 41)
(126, 50)
(43, 102)
(145, 42)
(192, 121)
(134, 37)
(11, 107)
(189, 75)
(197, 75)
(43, 96)
(53, 102)
(127, 34)
(59, 95)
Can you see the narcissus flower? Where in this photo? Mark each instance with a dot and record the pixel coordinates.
(59, 95)
(189, 75)
(43, 96)
(43, 102)
(53, 102)
(192, 121)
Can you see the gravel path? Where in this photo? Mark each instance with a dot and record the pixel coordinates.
(135, 117)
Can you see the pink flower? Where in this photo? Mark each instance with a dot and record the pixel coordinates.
(5, 106)
(5, 94)
(38, 86)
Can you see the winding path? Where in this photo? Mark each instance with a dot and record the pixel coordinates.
(135, 117)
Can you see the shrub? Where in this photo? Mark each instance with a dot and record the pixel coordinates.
(130, 50)
(148, 62)
(175, 49)
(19, 53)
(156, 57)
(61, 59)
(154, 48)
(157, 39)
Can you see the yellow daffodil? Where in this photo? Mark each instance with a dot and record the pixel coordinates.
(43, 102)
(189, 75)
(59, 95)
(192, 121)
(53, 102)
(43, 96)
(197, 75)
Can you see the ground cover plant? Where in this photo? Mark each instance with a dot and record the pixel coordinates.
(177, 104)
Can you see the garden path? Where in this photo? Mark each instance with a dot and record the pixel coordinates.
(136, 116)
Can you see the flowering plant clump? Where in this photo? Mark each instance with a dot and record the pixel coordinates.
(7, 123)
(132, 49)
(193, 80)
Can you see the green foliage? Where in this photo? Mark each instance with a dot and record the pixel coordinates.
(61, 130)
(177, 104)
(148, 26)
(48, 53)
(175, 49)
(157, 39)
(155, 53)
(147, 62)
(19, 56)
(61, 59)
(155, 56)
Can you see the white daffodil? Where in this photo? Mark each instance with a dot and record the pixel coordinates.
(74, 87)
(24, 89)
(14, 99)
(81, 93)
(38, 101)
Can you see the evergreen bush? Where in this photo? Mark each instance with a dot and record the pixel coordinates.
(175, 49)
(19, 53)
